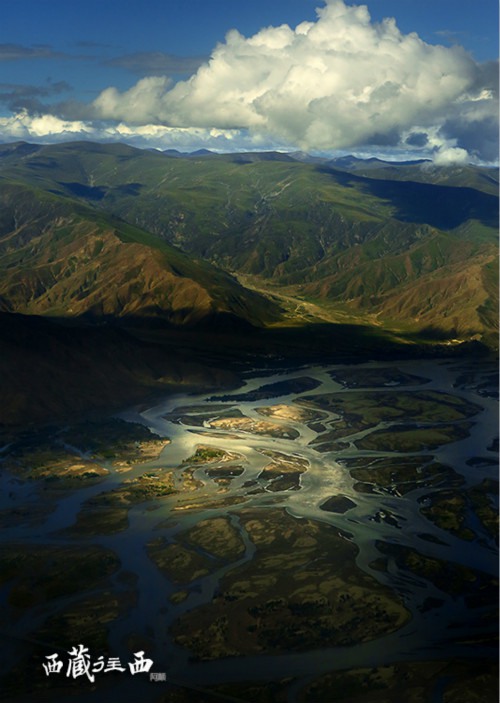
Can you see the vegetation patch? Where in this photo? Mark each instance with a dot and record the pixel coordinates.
(272, 390)
(375, 378)
(149, 486)
(207, 455)
(337, 504)
(401, 438)
(97, 520)
(216, 536)
(302, 590)
(399, 475)
(414, 682)
(257, 427)
(41, 573)
(364, 410)
(478, 588)
(58, 467)
(178, 563)
(116, 440)
(449, 509)
(283, 472)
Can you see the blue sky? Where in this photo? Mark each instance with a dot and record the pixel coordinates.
(107, 69)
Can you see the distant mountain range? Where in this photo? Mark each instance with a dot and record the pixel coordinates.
(96, 228)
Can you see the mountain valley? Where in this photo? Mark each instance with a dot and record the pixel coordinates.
(214, 258)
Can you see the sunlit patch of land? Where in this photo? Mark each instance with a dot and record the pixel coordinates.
(206, 454)
(122, 443)
(256, 427)
(197, 416)
(292, 412)
(283, 472)
(204, 503)
(107, 512)
(148, 486)
(58, 467)
(61, 461)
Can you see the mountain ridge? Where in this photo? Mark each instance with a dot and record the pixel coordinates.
(60, 257)
(373, 241)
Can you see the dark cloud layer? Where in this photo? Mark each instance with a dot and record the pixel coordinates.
(19, 97)
(15, 52)
(156, 63)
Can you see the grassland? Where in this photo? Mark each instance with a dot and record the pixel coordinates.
(399, 476)
(436, 418)
(290, 597)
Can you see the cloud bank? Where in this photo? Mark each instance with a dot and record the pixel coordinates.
(339, 83)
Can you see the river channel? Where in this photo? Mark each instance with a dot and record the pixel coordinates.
(381, 515)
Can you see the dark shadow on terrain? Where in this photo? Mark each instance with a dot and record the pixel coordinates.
(83, 191)
(52, 369)
(18, 149)
(444, 207)
(43, 163)
(255, 157)
(97, 193)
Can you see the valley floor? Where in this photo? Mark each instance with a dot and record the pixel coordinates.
(321, 533)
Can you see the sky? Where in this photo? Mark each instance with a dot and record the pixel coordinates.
(396, 79)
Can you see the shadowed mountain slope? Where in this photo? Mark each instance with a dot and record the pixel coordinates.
(55, 370)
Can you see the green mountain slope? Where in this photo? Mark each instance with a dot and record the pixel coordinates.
(481, 178)
(59, 257)
(408, 247)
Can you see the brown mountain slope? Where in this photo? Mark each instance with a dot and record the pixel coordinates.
(61, 259)
(446, 283)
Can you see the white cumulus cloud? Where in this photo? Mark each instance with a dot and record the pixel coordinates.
(341, 82)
